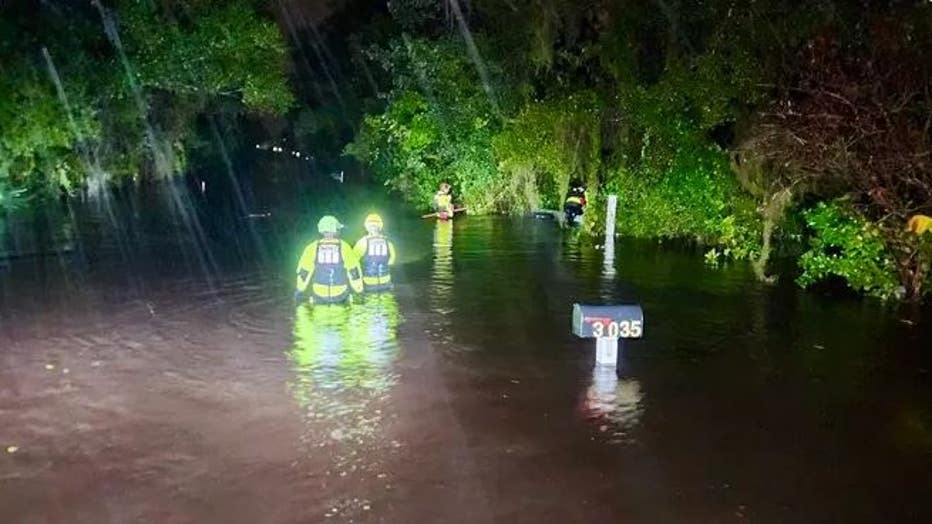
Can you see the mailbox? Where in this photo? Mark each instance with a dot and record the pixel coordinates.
(622, 321)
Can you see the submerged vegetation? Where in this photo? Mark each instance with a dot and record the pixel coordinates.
(747, 127)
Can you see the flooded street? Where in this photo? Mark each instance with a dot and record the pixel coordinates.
(160, 373)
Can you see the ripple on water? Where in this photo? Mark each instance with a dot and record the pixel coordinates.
(256, 317)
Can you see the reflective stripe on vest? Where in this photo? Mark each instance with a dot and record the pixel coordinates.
(381, 283)
(574, 200)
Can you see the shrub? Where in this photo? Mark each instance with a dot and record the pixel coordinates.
(845, 244)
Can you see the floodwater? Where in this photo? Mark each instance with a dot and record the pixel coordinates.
(160, 373)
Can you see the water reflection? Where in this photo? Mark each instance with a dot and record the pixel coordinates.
(36, 233)
(441, 282)
(442, 275)
(608, 262)
(572, 245)
(617, 405)
(342, 360)
(613, 402)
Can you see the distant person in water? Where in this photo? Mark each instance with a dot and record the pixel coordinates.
(328, 272)
(443, 202)
(575, 203)
(376, 254)
(919, 224)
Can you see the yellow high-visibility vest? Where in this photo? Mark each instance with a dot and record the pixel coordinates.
(919, 224)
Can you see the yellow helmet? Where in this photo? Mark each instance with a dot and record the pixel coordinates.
(372, 219)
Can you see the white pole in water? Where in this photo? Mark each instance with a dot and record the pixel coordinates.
(606, 351)
(609, 248)
(606, 348)
(610, 221)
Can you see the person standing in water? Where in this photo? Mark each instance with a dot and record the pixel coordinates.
(575, 204)
(328, 272)
(377, 255)
(443, 202)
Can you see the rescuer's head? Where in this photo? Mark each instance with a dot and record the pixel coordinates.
(373, 224)
(329, 226)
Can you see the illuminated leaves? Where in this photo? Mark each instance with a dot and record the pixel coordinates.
(221, 50)
(437, 126)
(847, 245)
(553, 141)
(187, 58)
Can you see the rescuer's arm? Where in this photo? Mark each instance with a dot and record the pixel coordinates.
(351, 263)
(391, 253)
(360, 248)
(306, 267)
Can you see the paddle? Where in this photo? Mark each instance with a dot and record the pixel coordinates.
(432, 215)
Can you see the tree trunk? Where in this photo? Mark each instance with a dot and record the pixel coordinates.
(759, 264)
(772, 210)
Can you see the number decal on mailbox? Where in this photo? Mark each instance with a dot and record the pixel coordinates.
(622, 329)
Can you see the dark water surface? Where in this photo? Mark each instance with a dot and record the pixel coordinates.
(160, 374)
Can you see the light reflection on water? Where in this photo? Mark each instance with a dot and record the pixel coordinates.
(442, 275)
(342, 359)
(616, 404)
(442, 281)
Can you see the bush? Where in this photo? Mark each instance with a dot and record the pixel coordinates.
(437, 126)
(694, 197)
(845, 244)
(550, 143)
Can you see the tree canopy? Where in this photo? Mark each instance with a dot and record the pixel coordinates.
(722, 121)
(95, 92)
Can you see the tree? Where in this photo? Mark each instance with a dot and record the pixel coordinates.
(89, 89)
(437, 126)
(856, 122)
(712, 121)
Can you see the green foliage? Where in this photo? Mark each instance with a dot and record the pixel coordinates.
(215, 49)
(550, 143)
(186, 58)
(658, 103)
(696, 198)
(846, 245)
(924, 256)
(674, 180)
(36, 145)
(437, 126)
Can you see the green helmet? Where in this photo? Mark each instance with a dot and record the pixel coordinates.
(328, 224)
